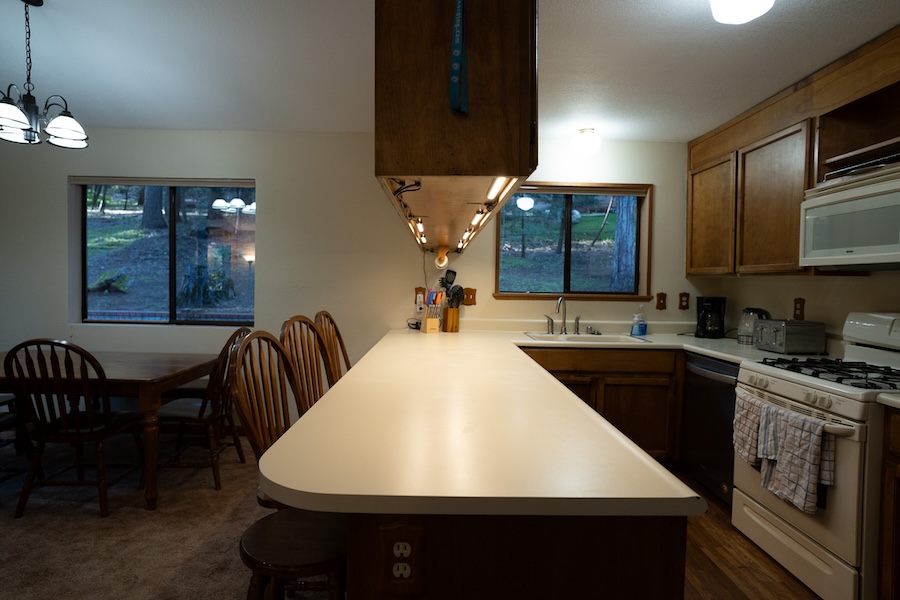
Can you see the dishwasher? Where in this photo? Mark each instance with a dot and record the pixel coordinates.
(707, 453)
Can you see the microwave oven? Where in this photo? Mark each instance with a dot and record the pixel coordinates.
(853, 222)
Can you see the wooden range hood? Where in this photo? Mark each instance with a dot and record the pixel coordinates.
(435, 164)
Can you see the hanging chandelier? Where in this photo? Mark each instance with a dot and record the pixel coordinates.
(21, 119)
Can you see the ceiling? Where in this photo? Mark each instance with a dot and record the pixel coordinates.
(650, 70)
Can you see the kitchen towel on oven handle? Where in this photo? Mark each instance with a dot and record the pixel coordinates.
(797, 455)
(746, 425)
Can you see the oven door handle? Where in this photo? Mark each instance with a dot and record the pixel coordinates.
(838, 430)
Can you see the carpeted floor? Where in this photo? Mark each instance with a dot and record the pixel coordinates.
(186, 548)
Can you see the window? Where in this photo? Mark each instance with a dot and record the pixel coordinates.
(168, 252)
(581, 240)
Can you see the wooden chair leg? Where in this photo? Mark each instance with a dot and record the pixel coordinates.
(101, 480)
(79, 460)
(235, 438)
(335, 586)
(276, 588)
(257, 588)
(212, 432)
(28, 485)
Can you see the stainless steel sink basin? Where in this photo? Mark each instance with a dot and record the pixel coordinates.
(591, 339)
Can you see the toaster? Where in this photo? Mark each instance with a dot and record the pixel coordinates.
(789, 337)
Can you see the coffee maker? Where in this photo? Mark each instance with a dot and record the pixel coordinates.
(710, 317)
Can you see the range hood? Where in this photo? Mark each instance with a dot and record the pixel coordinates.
(447, 168)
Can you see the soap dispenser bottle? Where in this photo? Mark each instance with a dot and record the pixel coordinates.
(639, 323)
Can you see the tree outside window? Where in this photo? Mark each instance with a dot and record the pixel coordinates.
(584, 239)
(169, 253)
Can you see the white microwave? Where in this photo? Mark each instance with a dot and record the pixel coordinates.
(853, 222)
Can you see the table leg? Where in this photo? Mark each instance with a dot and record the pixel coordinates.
(151, 449)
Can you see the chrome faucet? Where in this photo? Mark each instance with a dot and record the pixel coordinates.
(562, 303)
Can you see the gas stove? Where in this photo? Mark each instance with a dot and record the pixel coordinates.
(853, 373)
(844, 387)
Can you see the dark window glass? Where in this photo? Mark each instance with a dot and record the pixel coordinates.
(169, 254)
(584, 241)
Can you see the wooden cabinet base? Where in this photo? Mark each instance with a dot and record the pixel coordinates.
(443, 557)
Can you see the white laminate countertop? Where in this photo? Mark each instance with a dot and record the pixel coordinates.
(889, 399)
(726, 349)
(463, 423)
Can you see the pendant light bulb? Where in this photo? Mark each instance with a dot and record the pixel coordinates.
(738, 12)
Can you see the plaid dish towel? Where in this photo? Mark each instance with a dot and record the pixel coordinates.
(796, 456)
(746, 426)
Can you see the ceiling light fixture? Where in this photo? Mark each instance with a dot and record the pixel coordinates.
(738, 12)
(587, 142)
(21, 120)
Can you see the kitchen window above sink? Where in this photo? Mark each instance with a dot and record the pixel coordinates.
(582, 241)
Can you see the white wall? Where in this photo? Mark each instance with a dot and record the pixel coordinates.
(328, 238)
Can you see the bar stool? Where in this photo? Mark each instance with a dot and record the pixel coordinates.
(291, 544)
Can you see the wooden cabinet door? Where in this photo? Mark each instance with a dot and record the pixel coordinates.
(889, 576)
(416, 132)
(711, 218)
(645, 409)
(772, 176)
(583, 386)
(889, 583)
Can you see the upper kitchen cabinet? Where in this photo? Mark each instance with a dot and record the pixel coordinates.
(759, 163)
(441, 145)
(744, 208)
(859, 136)
(772, 176)
(711, 217)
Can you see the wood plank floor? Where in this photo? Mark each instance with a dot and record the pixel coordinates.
(722, 564)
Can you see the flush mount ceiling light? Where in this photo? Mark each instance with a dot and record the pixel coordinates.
(587, 142)
(738, 12)
(21, 120)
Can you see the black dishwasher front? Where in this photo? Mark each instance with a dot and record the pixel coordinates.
(707, 453)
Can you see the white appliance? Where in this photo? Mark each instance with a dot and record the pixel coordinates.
(852, 222)
(834, 550)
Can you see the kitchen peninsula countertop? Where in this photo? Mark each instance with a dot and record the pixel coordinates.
(464, 424)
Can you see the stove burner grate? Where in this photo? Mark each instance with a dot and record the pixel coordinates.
(851, 373)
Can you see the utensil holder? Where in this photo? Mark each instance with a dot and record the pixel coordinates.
(451, 320)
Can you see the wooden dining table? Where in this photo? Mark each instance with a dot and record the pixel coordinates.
(146, 376)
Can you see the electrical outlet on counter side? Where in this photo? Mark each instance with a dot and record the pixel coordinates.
(402, 558)
(684, 301)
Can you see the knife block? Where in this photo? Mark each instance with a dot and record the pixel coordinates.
(431, 324)
(451, 320)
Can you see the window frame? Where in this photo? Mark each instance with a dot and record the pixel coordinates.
(644, 249)
(78, 193)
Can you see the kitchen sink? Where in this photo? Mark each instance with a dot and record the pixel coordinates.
(592, 339)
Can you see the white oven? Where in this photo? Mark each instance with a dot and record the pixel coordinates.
(833, 548)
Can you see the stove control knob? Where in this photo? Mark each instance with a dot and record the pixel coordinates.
(809, 396)
(825, 401)
(763, 382)
(751, 379)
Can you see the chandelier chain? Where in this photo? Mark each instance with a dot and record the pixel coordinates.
(28, 85)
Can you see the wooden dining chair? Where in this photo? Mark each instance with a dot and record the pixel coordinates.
(334, 341)
(12, 420)
(306, 345)
(213, 412)
(284, 548)
(61, 389)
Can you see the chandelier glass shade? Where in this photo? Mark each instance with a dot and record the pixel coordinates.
(21, 118)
